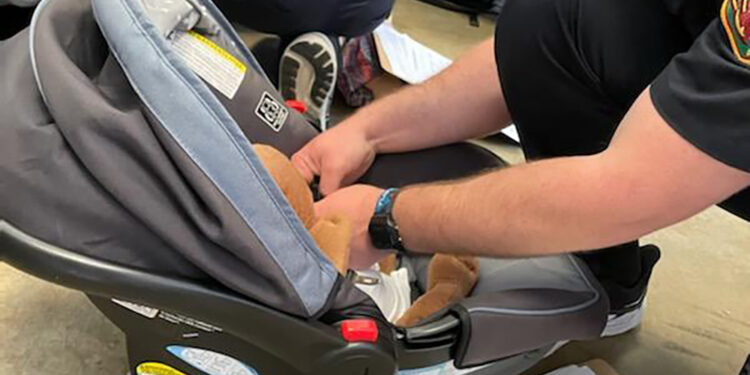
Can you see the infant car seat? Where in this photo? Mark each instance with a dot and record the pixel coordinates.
(127, 172)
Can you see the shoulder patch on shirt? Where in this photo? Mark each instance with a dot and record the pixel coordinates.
(735, 15)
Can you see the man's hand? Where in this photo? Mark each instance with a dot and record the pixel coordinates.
(339, 156)
(416, 117)
(358, 204)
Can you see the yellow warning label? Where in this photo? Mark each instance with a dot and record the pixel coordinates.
(221, 51)
(153, 368)
(209, 61)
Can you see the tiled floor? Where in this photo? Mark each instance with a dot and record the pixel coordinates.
(698, 319)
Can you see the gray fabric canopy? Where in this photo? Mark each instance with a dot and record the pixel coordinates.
(110, 145)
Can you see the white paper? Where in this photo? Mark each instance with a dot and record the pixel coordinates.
(408, 59)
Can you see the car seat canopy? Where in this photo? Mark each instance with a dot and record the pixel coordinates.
(145, 165)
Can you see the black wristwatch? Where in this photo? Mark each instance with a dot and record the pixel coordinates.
(383, 228)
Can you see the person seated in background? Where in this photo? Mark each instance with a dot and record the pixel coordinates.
(304, 57)
(303, 61)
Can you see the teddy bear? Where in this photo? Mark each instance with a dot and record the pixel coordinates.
(450, 278)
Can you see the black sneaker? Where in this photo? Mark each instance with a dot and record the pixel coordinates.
(307, 73)
(629, 303)
(746, 370)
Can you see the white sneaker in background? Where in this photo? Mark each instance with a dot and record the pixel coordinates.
(307, 73)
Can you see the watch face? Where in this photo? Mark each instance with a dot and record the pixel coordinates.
(379, 233)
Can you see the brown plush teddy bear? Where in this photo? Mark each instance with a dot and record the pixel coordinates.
(332, 234)
(450, 278)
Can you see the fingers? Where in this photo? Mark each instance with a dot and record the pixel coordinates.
(322, 208)
(330, 180)
(304, 165)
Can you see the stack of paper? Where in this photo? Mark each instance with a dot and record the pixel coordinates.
(406, 58)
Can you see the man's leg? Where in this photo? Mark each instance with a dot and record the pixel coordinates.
(13, 19)
(570, 70)
(290, 18)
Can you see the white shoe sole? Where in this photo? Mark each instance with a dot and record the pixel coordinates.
(573, 370)
(308, 70)
(617, 325)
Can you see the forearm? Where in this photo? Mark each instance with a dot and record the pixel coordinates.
(464, 101)
(647, 179)
(537, 209)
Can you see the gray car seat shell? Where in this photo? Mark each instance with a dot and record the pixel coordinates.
(134, 181)
(135, 100)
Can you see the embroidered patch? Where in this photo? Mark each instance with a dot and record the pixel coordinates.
(735, 15)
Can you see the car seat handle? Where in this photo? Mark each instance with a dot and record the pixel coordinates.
(445, 325)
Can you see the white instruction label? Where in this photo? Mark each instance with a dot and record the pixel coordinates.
(209, 61)
(146, 311)
(211, 363)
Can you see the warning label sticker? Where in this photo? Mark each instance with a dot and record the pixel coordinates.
(209, 61)
(146, 311)
(154, 368)
(211, 363)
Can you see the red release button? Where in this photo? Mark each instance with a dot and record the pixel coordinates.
(359, 330)
(297, 105)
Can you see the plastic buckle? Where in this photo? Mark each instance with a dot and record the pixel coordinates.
(297, 105)
(359, 330)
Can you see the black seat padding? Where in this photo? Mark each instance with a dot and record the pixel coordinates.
(514, 321)
(436, 164)
(517, 321)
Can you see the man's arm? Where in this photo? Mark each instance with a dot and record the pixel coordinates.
(465, 101)
(647, 179)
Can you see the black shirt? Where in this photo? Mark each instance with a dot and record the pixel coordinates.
(695, 14)
(704, 93)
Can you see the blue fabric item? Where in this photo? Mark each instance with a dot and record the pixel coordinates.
(196, 120)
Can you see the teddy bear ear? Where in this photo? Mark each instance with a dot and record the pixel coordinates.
(268, 155)
(290, 181)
